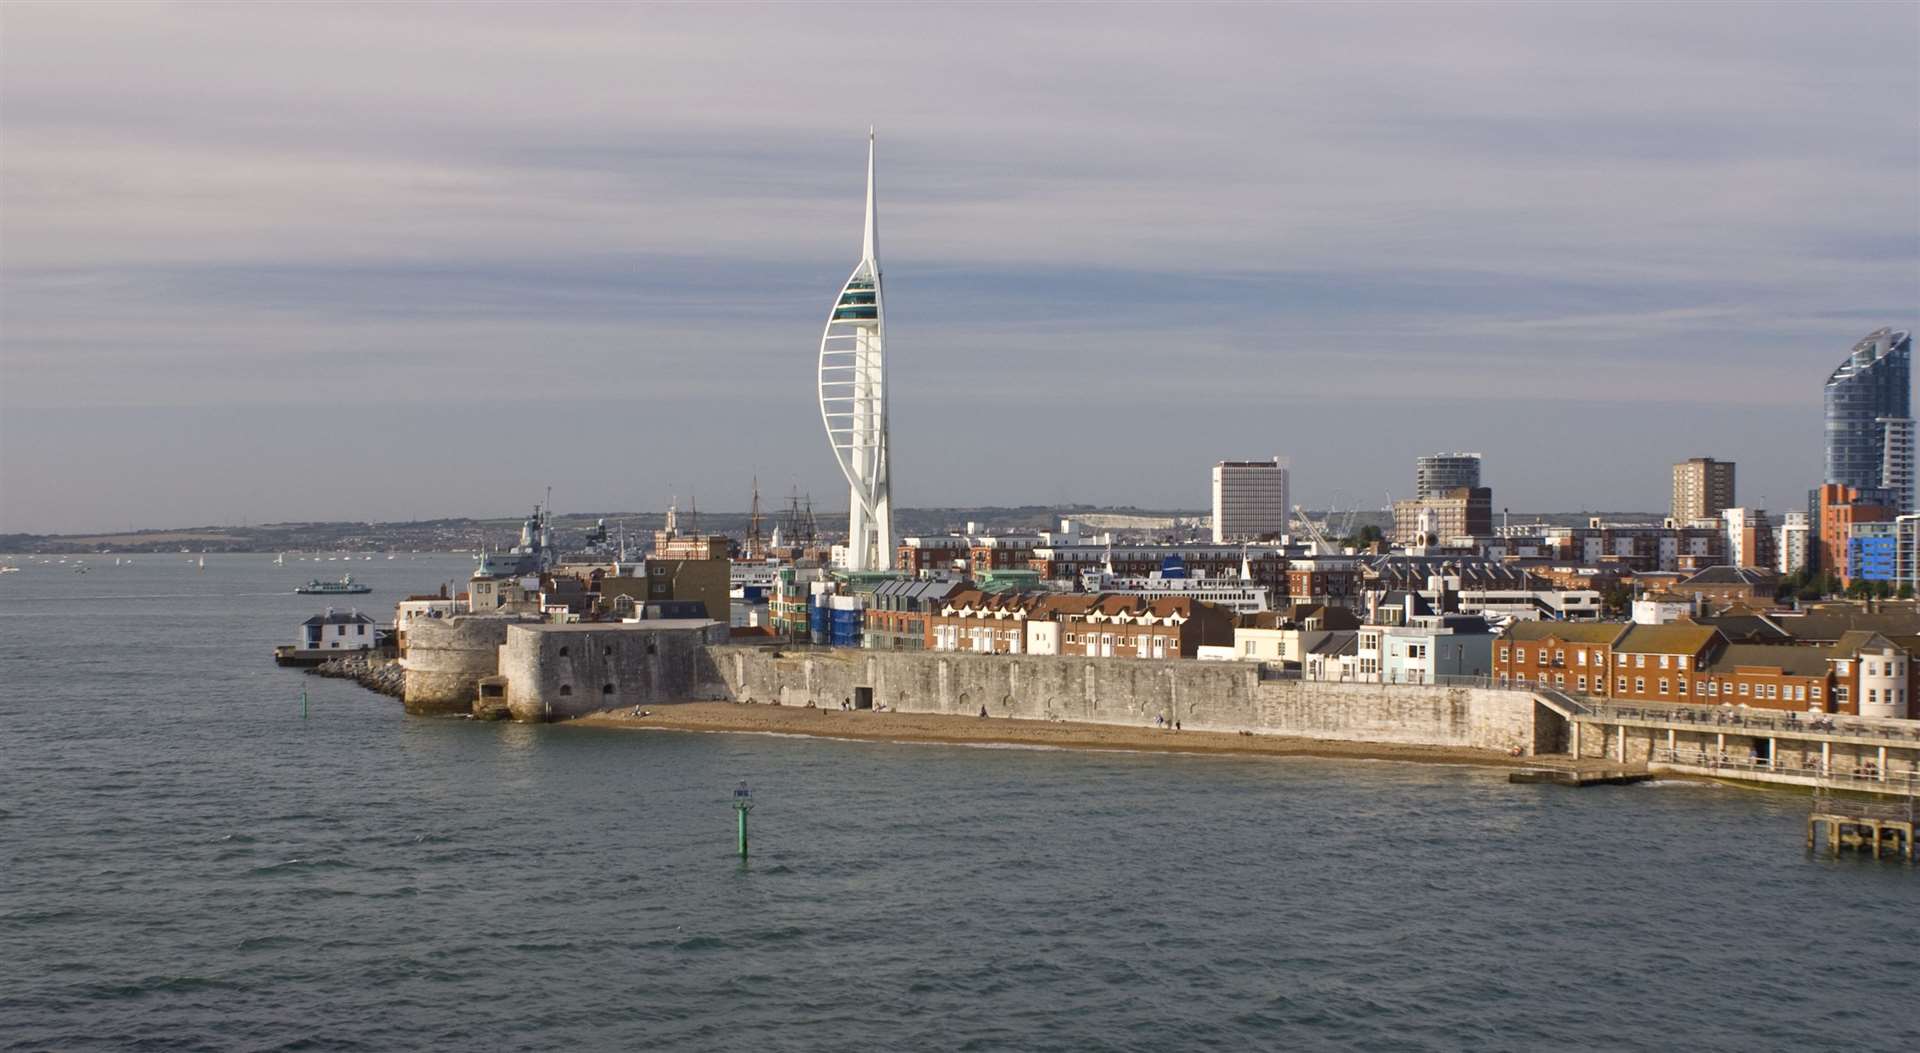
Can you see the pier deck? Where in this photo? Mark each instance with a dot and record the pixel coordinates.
(1865, 825)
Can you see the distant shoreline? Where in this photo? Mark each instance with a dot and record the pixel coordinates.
(949, 729)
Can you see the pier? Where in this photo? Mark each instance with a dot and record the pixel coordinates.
(1873, 756)
(1865, 825)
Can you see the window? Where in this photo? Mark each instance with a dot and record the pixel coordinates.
(1816, 692)
(1683, 685)
(566, 689)
(1579, 658)
(1582, 683)
(1743, 687)
(1559, 655)
(1639, 661)
(563, 652)
(1503, 654)
(1543, 656)
(359, 630)
(1663, 661)
(1713, 689)
(1640, 685)
(606, 689)
(1559, 679)
(1663, 685)
(1681, 661)
(1622, 688)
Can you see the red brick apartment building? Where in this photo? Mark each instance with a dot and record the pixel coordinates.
(1657, 663)
(1566, 656)
(1862, 674)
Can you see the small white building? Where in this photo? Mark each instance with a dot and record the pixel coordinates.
(1661, 608)
(418, 608)
(334, 631)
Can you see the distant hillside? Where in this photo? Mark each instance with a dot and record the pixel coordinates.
(465, 534)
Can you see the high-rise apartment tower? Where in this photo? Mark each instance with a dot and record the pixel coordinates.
(1702, 487)
(1438, 473)
(1870, 417)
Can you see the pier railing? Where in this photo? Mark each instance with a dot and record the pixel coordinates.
(1865, 776)
(1749, 720)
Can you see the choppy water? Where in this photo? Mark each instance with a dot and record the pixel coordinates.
(189, 864)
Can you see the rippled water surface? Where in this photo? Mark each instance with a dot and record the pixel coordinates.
(190, 864)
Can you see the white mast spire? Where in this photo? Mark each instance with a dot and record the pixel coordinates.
(870, 246)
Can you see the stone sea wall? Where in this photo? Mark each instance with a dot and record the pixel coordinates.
(557, 671)
(1204, 696)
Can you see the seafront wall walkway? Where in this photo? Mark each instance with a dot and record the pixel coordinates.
(1204, 696)
(1857, 753)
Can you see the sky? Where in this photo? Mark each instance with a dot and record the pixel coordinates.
(387, 261)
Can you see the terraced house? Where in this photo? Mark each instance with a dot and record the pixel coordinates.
(1097, 626)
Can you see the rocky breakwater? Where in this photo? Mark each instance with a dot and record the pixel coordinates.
(375, 674)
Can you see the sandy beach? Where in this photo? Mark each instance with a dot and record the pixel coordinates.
(931, 727)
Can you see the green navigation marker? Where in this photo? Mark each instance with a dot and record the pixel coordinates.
(742, 804)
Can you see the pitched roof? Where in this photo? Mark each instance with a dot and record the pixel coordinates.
(1570, 632)
(1339, 642)
(337, 618)
(1675, 638)
(1827, 627)
(1732, 576)
(1746, 628)
(1854, 642)
(1793, 660)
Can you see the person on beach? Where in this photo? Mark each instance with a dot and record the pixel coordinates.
(1160, 720)
(983, 712)
(1176, 725)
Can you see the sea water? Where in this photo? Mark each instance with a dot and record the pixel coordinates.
(188, 863)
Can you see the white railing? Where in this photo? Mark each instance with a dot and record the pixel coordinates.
(1864, 776)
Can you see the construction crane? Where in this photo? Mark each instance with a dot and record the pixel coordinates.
(1344, 529)
(1322, 546)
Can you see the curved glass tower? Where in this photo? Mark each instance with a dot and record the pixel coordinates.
(853, 399)
(1867, 395)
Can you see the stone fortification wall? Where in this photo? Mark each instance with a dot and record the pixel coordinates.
(1206, 696)
(447, 657)
(559, 671)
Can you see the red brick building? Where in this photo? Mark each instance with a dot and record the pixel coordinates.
(1566, 656)
(1657, 663)
(1840, 508)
